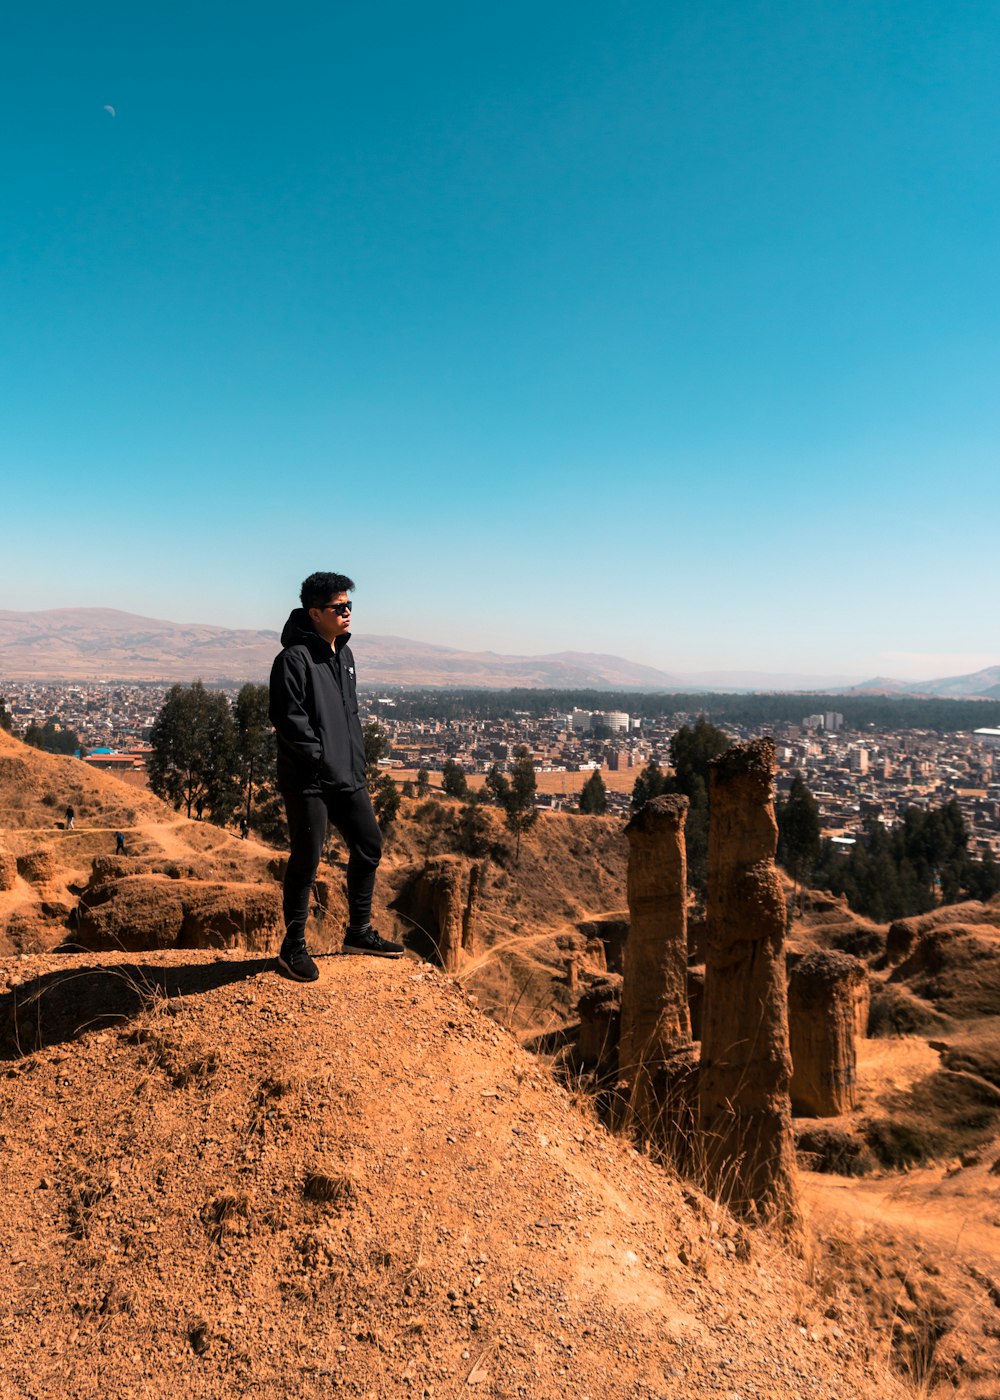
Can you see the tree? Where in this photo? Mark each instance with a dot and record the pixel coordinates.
(519, 807)
(496, 786)
(377, 745)
(472, 829)
(51, 738)
(6, 719)
(194, 755)
(423, 782)
(594, 796)
(386, 801)
(799, 836)
(453, 779)
(650, 783)
(257, 754)
(691, 751)
(984, 878)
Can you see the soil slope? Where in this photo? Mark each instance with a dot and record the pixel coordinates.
(216, 1182)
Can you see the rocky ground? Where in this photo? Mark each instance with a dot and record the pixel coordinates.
(217, 1182)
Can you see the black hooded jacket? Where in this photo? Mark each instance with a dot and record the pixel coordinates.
(314, 709)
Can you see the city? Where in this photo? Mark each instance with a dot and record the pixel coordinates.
(855, 774)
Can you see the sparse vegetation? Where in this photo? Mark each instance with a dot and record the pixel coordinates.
(896, 1011)
(940, 1117)
(834, 1150)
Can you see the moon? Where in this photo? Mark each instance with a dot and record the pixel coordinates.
(108, 108)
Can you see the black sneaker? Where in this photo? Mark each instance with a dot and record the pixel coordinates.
(366, 940)
(298, 964)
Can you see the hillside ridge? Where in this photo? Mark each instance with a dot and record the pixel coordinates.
(216, 1182)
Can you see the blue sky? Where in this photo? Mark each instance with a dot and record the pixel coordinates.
(669, 330)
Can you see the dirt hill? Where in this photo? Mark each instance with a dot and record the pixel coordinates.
(216, 1182)
(191, 884)
(48, 872)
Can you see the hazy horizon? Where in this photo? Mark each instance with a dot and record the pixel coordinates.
(721, 675)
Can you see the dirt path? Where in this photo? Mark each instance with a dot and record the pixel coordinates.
(958, 1214)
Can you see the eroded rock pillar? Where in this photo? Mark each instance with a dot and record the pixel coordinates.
(443, 904)
(824, 991)
(746, 1129)
(655, 1022)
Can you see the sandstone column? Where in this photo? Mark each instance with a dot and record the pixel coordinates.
(443, 904)
(655, 1022)
(749, 1151)
(824, 990)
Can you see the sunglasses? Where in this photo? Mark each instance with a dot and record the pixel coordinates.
(341, 609)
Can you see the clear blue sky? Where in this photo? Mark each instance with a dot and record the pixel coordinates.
(667, 329)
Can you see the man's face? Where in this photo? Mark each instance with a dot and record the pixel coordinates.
(333, 619)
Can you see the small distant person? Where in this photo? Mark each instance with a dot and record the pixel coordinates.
(199, 807)
(244, 828)
(70, 819)
(120, 844)
(321, 769)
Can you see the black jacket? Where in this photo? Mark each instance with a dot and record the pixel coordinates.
(314, 709)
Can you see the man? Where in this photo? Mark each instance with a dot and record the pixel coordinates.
(321, 769)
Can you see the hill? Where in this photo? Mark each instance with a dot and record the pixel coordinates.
(47, 873)
(544, 930)
(216, 1183)
(191, 884)
(978, 685)
(105, 644)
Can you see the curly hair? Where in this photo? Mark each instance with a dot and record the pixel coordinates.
(320, 588)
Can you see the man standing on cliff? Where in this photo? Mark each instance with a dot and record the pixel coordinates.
(321, 769)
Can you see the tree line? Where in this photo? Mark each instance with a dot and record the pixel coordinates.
(882, 712)
(921, 862)
(220, 760)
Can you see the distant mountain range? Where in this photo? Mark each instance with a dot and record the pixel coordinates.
(105, 644)
(980, 685)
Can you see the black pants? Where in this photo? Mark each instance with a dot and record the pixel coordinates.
(308, 813)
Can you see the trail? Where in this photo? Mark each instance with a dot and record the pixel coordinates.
(958, 1214)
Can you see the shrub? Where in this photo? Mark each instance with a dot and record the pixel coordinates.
(833, 1150)
(896, 1011)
